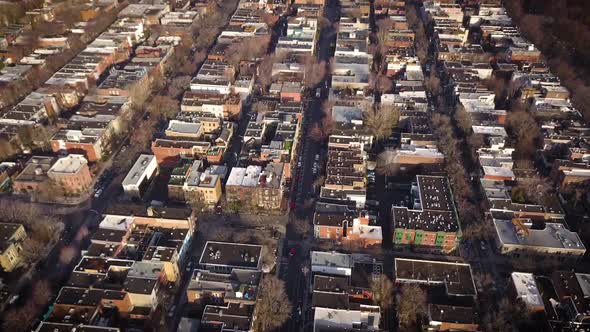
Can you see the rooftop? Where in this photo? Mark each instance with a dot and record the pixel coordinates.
(553, 235)
(456, 277)
(231, 254)
(526, 289)
(138, 172)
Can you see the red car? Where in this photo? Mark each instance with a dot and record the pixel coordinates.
(292, 252)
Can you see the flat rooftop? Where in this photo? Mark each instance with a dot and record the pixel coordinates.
(231, 254)
(526, 289)
(554, 235)
(456, 277)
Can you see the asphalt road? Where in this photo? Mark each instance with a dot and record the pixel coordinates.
(294, 270)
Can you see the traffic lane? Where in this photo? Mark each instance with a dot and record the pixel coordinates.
(295, 287)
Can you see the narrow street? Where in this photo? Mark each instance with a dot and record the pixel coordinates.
(295, 270)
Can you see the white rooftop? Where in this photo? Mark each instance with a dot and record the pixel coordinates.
(498, 171)
(69, 164)
(554, 235)
(526, 289)
(331, 259)
(247, 177)
(144, 164)
(184, 127)
(488, 130)
(114, 222)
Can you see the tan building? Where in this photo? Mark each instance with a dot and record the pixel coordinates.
(72, 174)
(204, 184)
(11, 238)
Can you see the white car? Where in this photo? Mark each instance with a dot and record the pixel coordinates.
(98, 193)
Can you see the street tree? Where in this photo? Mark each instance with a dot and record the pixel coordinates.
(178, 86)
(314, 71)
(265, 71)
(41, 293)
(509, 317)
(411, 305)
(383, 292)
(380, 120)
(383, 27)
(381, 83)
(463, 119)
(273, 305)
(526, 131)
(196, 200)
(301, 226)
(536, 189)
(388, 162)
(163, 106)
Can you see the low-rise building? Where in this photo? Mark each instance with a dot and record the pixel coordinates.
(456, 279)
(223, 257)
(517, 237)
(432, 221)
(344, 224)
(33, 175)
(71, 174)
(206, 184)
(12, 237)
(525, 288)
(341, 291)
(139, 176)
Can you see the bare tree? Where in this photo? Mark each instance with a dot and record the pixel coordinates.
(220, 234)
(432, 83)
(319, 181)
(248, 49)
(32, 251)
(41, 293)
(509, 317)
(463, 119)
(526, 131)
(383, 27)
(139, 93)
(482, 230)
(322, 130)
(196, 200)
(142, 135)
(536, 189)
(380, 119)
(314, 72)
(265, 70)
(383, 292)
(273, 306)
(163, 106)
(178, 86)
(7, 149)
(411, 305)
(301, 226)
(388, 163)
(16, 319)
(381, 83)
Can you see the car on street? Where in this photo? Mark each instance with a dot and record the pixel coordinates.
(172, 310)
(292, 252)
(483, 246)
(97, 193)
(189, 266)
